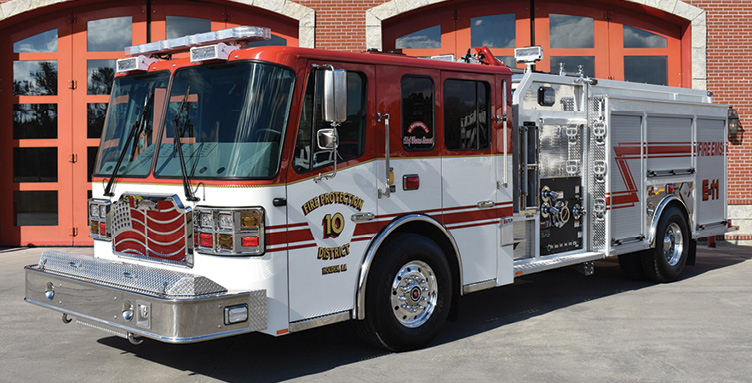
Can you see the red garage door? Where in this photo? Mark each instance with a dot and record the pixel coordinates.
(54, 91)
(607, 41)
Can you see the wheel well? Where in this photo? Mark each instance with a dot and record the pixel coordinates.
(425, 226)
(663, 206)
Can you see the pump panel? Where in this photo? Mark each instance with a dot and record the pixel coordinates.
(561, 215)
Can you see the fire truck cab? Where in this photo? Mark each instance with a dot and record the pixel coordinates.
(275, 189)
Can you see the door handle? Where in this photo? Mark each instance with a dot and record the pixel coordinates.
(362, 217)
(485, 204)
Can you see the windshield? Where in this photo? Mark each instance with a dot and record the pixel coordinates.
(129, 97)
(231, 119)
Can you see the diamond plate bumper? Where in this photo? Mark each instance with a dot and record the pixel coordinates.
(122, 299)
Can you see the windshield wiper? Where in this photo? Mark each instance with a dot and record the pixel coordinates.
(139, 126)
(179, 123)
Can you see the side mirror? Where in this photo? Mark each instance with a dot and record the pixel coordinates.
(327, 139)
(335, 96)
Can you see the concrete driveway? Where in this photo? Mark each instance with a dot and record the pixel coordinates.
(557, 326)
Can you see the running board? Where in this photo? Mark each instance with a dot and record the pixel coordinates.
(530, 266)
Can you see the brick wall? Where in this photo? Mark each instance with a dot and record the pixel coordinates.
(729, 61)
(341, 24)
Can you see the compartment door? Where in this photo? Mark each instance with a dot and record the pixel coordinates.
(626, 174)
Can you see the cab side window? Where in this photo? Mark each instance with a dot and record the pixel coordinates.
(466, 115)
(351, 133)
(417, 113)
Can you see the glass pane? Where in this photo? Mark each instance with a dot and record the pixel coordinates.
(466, 115)
(34, 121)
(569, 31)
(34, 78)
(178, 26)
(417, 113)
(509, 61)
(43, 42)
(275, 40)
(351, 132)
(109, 35)
(429, 38)
(230, 119)
(647, 69)
(572, 63)
(95, 114)
(35, 208)
(34, 164)
(91, 161)
(136, 103)
(493, 31)
(100, 75)
(637, 38)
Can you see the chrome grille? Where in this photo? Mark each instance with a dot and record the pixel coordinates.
(153, 227)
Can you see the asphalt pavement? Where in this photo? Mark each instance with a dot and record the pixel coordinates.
(556, 326)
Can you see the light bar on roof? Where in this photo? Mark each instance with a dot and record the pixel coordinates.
(528, 55)
(219, 51)
(131, 64)
(186, 42)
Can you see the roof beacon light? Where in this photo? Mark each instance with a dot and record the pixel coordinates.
(131, 64)
(184, 43)
(528, 55)
(219, 51)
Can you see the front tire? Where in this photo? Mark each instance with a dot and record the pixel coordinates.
(407, 295)
(666, 261)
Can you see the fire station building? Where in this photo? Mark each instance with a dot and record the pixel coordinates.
(58, 60)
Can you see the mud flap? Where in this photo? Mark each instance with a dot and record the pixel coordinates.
(692, 252)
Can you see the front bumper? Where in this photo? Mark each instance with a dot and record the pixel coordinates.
(131, 300)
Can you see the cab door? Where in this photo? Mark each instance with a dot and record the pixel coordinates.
(330, 214)
(468, 169)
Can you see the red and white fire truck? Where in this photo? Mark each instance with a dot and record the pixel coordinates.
(251, 188)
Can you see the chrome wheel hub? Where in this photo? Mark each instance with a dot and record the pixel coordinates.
(673, 244)
(414, 293)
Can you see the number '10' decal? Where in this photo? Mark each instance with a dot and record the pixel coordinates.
(333, 225)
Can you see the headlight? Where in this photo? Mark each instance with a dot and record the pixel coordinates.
(94, 210)
(99, 222)
(218, 234)
(206, 220)
(225, 221)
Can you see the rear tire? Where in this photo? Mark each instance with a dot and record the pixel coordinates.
(408, 294)
(666, 261)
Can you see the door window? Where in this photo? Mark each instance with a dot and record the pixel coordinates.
(466, 115)
(417, 113)
(351, 133)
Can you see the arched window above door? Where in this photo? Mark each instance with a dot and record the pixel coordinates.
(616, 39)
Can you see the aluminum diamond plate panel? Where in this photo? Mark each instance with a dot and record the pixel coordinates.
(597, 154)
(136, 278)
(257, 315)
